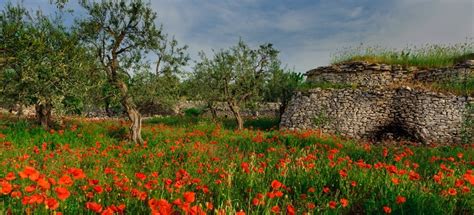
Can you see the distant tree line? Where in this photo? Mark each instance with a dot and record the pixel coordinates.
(118, 57)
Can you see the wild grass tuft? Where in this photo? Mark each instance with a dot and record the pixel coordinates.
(425, 56)
(463, 87)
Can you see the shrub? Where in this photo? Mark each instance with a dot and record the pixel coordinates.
(193, 112)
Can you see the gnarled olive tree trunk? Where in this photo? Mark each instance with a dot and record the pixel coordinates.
(43, 114)
(236, 111)
(213, 109)
(127, 102)
(132, 112)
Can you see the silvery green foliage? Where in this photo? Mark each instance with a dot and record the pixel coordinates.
(46, 62)
(235, 76)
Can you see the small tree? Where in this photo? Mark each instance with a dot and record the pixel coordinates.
(162, 87)
(121, 32)
(202, 85)
(281, 87)
(47, 63)
(235, 76)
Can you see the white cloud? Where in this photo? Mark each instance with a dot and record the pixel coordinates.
(423, 21)
(306, 35)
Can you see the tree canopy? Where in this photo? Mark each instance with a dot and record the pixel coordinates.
(117, 57)
(46, 61)
(235, 76)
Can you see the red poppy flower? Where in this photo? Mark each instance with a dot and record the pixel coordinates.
(452, 191)
(209, 206)
(51, 204)
(77, 173)
(271, 195)
(401, 199)
(387, 209)
(5, 188)
(275, 209)
(196, 210)
(10, 176)
(344, 202)
(177, 202)
(66, 181)
(189, 197)
(93, 206)
(290, 210)
(326, 189)
(15, 194)
(343, 173)
(245, 167)
(30, 188)
(140, 176)
(395, 181)
(107, 211)
(464, 189)
(240, 213)
(276, 184)
(459, 183)
(36, 199)
(469, 178)
(414, 176)
(93, 182)
(43, 183)
(311, 206)
(160, 206)
(98, 189)
(255, 201)
(332, 204)
(30, 172)
(62, 193)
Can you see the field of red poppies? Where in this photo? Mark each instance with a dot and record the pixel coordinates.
(86, 167)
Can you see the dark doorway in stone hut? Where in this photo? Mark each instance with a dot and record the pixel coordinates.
(393, 132)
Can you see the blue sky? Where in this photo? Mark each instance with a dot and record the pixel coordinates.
(307, 32)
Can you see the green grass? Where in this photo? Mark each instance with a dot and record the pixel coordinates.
(458, 87)
(229, 169)
(426, 56)
(227, 123)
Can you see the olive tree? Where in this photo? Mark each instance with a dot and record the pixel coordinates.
(236, 76)
(161, 88)
(47, 62)
(281, 86)
(121, 32)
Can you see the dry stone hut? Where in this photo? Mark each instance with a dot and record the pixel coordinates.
(378, 101)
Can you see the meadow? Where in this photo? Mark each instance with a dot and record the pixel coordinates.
(194, 166)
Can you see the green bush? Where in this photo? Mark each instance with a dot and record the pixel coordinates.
(193, 112)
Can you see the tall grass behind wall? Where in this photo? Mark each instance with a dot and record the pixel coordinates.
(424, 56)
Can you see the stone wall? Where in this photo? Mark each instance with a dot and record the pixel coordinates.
(382, 104)
(264, 109)
(423, 116)
(375, 75)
